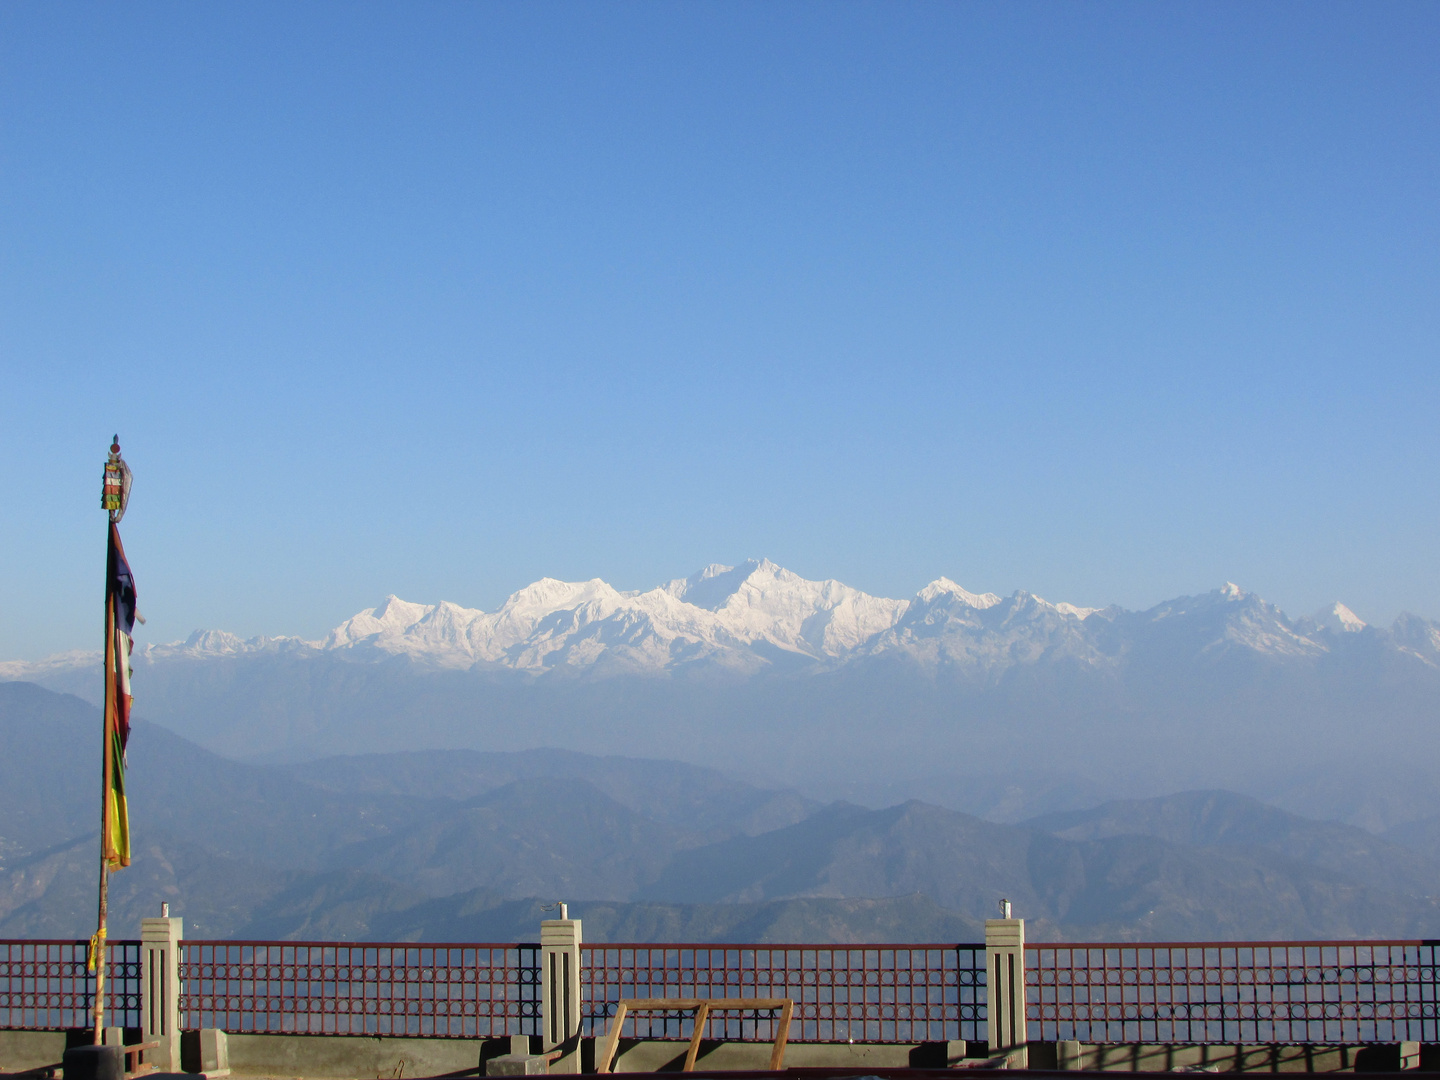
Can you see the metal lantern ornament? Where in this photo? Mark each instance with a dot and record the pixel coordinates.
(116, 491)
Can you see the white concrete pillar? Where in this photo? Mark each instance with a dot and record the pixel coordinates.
(1069, 1055)
(214, 1052)
(560, 990)
(160, 990)
(1005, 989)
(1409, 1055)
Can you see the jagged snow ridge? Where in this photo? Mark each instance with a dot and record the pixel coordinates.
(551, 622)
(747, 617)
(12, 670)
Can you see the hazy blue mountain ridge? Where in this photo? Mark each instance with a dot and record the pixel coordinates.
(1225, 819)
(817, 686)
(261, 851)
(699, 800)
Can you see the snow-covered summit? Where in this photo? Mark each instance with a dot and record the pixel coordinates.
(753, 616)
(711, 587)
(759, 601)
(719, 610)
(1340, 619)
(214, 643)
(436, 632)
(943, 586)
(34, 670)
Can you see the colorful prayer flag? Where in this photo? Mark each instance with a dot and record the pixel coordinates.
(119, 625)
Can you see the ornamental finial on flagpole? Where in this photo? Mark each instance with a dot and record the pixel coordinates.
(115, 491)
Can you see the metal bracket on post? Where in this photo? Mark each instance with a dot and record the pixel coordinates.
(560, 990)
(160, 989)
(1005, 990)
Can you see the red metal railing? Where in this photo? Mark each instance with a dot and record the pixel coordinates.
(1244, 992)
(1252, 992)
(44, 984)
(874, 993)
(342, 988)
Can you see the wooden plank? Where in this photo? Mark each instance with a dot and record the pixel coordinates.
(612, 1043)
(702, 1007)
(782, 1035)
(134, 1056)
(635, 1004)
(717, 1004)
(702, 1013)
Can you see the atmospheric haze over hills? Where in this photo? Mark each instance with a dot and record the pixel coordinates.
(469, 846)
(747, 755)
(1001, 706)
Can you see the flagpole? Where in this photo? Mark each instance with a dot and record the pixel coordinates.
(97, 943)
(114, 494)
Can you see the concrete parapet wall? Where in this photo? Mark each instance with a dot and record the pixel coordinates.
(22, 1050)
(404, 1058)
(358, 1055)
(1216, 1057)
(285, 1055)
(668, 1056)
(388, 1058)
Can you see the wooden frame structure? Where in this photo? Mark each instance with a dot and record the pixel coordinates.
(702, 1008)
(135, 1063)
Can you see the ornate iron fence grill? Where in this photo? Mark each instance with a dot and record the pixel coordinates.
(45, 985)
(332, 988)
(1251, 992)
(1254, 992)
(884, 993)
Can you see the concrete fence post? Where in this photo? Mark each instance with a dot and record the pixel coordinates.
(160, 990)
(560, 990)
(1005, 989)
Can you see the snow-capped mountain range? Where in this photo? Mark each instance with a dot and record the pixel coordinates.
(757, 616)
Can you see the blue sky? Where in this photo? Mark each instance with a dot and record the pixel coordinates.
(1111, 302)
